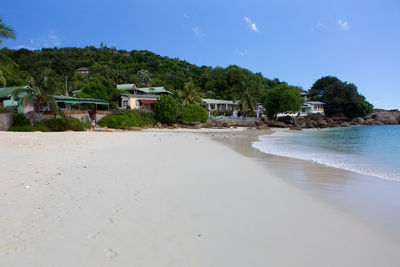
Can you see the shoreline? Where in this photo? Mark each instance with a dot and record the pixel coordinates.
(157, 198)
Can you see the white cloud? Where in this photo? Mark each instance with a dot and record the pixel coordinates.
(51, 39)
(242, 52)
(185, 16)
(343, 24)
(251, 24)
(199, 33)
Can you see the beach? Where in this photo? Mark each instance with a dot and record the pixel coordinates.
(167, 198)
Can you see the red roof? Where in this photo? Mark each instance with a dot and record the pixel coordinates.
(148, 101)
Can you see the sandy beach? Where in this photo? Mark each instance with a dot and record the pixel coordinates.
(165, 198)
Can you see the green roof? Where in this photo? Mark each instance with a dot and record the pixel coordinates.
(75, 100)
(146, 90)
(217, 101)
(7, 91)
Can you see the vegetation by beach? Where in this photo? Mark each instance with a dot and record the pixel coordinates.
(21, 124)
(193, 113)
(282, 99)
(166, 109)
(129, 118)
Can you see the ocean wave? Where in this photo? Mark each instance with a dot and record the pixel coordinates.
(278, 144)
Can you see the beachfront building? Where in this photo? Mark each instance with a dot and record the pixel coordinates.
(311, 107)
(8, 102)
(132, 89)
(218, 104)
(138, 101)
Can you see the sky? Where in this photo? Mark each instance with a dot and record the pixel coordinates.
(295, 41)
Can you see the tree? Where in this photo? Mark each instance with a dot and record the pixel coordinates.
(6, 63)
(99, 87)
(38, 97)
(340, 97)
(193, 113)
(166, 109)
(247, 103)
(282, 98)
(144, 77)
(190, 94)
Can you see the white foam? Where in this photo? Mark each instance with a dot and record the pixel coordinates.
(277, 144)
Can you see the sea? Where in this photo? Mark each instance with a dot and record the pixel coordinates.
(355, 169)
(366, 150)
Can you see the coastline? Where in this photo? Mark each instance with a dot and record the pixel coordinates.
(173, 197)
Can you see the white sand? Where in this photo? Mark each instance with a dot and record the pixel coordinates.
(164, 199)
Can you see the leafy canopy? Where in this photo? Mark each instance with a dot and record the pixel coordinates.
(282, 98)
(340, 97)
(166, 109)
(193, 113)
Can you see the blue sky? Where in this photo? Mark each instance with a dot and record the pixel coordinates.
(295, 41)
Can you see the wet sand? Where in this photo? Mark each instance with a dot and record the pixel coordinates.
(167, 198)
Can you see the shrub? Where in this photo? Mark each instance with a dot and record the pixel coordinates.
(52, 125)
(193, 113)
(166, 109)
(252, 113)
(1, 109)
(20, 120)
(228, 113)
(128, 118)
(215, 113)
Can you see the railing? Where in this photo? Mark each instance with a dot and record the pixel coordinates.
(231, 118)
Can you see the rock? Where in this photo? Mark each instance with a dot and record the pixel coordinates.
(262, 127)
(175, 125)
(259, 123)
(275, 123)
(345, 124)
(296, 128)
(227, 124)
(133, 128)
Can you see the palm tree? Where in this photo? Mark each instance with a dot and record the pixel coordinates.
(37, 96)
(247, 103)
(6, 64)
(190, 94)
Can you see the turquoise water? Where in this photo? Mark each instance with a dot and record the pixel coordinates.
(367, 150)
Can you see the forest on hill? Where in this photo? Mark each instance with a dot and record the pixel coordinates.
(54, 69)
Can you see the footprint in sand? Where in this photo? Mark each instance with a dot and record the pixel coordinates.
(111, 253)
(109, 220)
(94, 235)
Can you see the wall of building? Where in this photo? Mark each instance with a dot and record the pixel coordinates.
(6, 121)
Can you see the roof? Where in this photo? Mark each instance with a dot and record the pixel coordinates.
(315, 103)
(147, 90)
(141, 96)
(217, 101)
(7, 91)
(82, 68)
(75, 100)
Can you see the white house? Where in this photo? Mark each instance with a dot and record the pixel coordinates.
(311, 107)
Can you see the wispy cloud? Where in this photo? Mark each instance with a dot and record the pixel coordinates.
(242, 52)
(251, 24)
(51, 39)
(343, 24)
(199, 33)
(319, 25)
(186, 16)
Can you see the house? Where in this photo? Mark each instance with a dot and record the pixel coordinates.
(7, 100)
(311, 107)
(138, 101)
(83, 70)
(131, 88)
(220, 105)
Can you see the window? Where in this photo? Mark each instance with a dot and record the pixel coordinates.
(125, 103)
(138, 103)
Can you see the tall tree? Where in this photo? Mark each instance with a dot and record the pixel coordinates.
(144, 77)
(247, 103)
(190, 94)
(6, 63)
(282, 98)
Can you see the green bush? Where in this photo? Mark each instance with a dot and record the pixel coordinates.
(20, 120)
(52, 125)
(215, 113)
(252, 114)
(166, 109)
(1, 109)
(228, 113)
(193, 113)
(128, 118)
